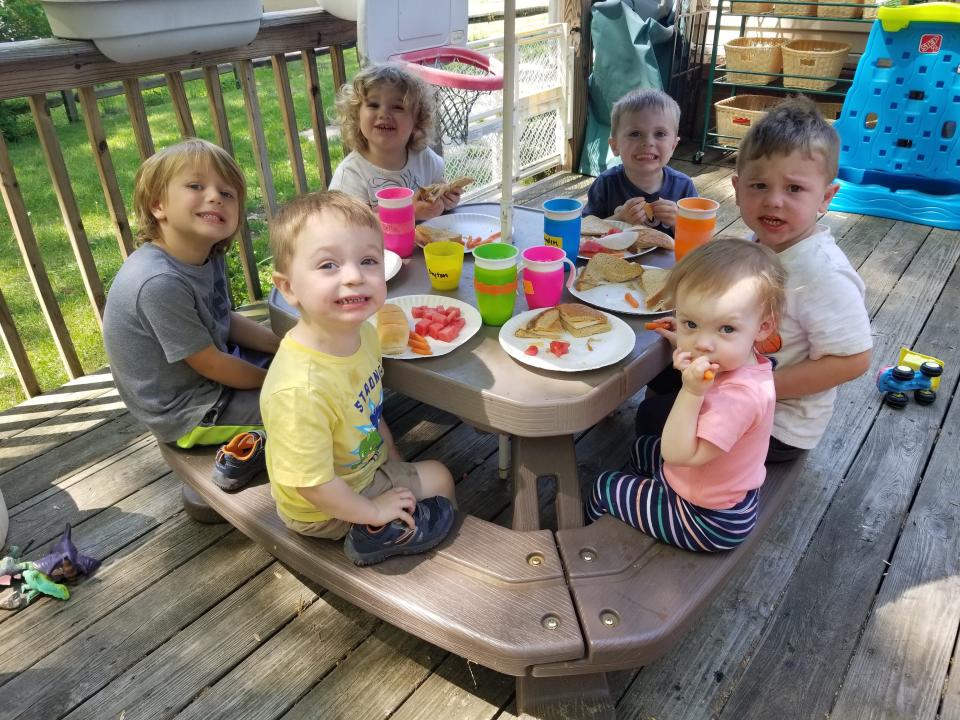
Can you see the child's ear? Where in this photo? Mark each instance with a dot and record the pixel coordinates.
(767, 328)
(282, 283)
(828, 196)
(612, 141)
(157, 211)
(734, 179)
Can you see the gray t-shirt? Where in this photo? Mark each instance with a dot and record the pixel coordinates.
(160, 311)
(357, 176)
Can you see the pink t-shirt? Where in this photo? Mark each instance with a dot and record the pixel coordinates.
(737, 417)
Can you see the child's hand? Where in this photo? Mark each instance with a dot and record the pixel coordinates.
(665, 327)
(450, 199)
(665, 211)
(428, 210)
(632, 211)
(697, 374)
(395, 504)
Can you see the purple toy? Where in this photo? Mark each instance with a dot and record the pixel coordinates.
(65, 563)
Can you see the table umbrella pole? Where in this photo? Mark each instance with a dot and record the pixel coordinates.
(509, 92)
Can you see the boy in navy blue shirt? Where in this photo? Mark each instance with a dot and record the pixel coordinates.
(643, 190)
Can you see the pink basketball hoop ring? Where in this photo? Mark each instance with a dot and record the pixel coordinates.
(459, 76)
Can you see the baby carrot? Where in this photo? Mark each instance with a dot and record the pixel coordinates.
(631, 300)
(709, 375)
(655, 324)
(419, 350)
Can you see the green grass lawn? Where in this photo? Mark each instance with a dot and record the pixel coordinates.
(48, 226)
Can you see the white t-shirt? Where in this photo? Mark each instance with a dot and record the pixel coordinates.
(824, 315)
(359, 177)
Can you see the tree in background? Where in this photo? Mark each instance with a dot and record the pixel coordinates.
(19, 20)
(22, 20)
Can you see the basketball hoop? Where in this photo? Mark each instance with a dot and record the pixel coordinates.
(459, 76)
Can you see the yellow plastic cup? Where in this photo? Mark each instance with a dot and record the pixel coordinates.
(444, 264)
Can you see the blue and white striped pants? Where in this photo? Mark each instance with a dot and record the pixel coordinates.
(647, 502)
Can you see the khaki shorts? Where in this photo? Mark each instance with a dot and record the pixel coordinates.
(391, 474)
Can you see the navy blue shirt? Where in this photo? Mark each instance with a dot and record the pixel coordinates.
(612, 189)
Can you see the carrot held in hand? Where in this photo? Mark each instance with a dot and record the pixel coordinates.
(657, 325)
(709, 375)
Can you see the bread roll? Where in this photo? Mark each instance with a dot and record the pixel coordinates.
(393, 329)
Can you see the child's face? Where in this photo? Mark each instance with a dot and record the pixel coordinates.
(335, 277)
(198, 207)
(385, 121)
(645, 140)
(781, 197)
(724, 327)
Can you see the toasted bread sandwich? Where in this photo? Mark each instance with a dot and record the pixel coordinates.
(542, 325)
(430, 193)
(424, 235)
(582, 321)
(648, 237)
(653, 282)
(604, 268)
(591, 225)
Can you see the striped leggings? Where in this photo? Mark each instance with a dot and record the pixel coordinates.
(647, 502)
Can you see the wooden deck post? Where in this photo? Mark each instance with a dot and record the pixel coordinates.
(576, 13)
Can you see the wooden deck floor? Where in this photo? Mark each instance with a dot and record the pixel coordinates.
(849, 609)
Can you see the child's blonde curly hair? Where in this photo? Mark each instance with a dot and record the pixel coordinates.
(156, 172)
(417, 98)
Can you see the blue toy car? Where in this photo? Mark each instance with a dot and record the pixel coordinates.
(895, 382)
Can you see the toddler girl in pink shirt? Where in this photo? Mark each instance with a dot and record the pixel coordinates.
(696, 486)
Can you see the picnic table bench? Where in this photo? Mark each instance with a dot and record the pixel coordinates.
(556, 610)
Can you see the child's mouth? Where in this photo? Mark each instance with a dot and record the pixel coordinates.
(772, 222)
(210, 217)
(353, 300)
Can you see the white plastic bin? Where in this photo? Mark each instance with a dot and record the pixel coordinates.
(135, 30)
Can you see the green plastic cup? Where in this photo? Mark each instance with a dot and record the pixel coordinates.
(495, 281)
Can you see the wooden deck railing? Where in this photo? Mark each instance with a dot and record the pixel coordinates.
(31, 69)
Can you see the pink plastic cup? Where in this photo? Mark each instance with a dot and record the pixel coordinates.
(395, 209)
(543, 275)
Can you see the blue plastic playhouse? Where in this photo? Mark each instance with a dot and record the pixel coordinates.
(899, 151)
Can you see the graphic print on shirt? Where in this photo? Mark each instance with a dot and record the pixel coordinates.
(369, 404)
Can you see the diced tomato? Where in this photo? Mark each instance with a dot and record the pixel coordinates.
(559, 347)
(418, 310)
(453, 314)
(532, 350)
(434, 330)
(422, 327)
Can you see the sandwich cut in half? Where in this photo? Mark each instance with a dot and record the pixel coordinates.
(603, 268)
(582, 321)
(593, 226)
(653, 281)
(545, 324)
(430, 193)
(424, 235)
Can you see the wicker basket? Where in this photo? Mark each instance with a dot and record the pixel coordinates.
(755, 54)
(798, 10)
(750, 8)
(834, 11)
(738, 114)
(813, 59)
(830, 111)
